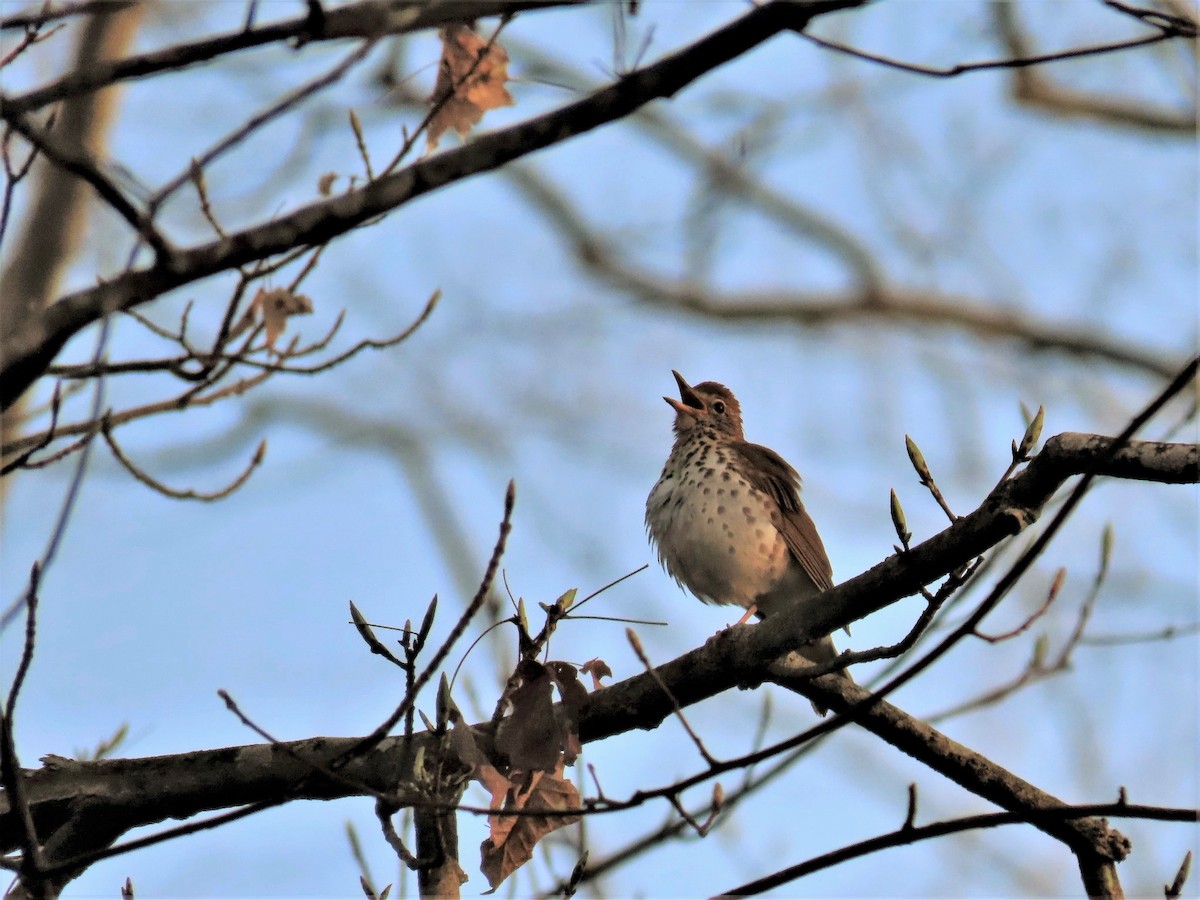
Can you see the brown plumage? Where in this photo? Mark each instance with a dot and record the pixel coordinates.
(726, 514)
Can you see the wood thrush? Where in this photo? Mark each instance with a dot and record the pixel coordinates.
(727, 519)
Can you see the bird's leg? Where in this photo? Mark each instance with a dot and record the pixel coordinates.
(750, 610)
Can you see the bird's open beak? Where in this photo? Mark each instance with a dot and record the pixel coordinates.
(688, 403)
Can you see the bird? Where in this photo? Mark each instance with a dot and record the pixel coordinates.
(726, 518)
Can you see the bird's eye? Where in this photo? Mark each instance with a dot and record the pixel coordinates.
(719, 408)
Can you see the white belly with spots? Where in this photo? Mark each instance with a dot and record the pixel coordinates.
(715, 536)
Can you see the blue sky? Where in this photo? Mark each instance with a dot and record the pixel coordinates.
(532, 370)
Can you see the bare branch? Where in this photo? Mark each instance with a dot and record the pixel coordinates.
(68, 503)
(909, 835)
(276, 109)
(874, 300)
(27, 351)
(12, 777)
(50, 13)
(32, 36)
(47, 436)
(175, 404)
(1168, 28)
(188, 493)
(1035, 89)
(365, 19)
(410, 696)
(636, 643)
(1055, 586)
(79, 162)
(207, 376)
(1167, 633)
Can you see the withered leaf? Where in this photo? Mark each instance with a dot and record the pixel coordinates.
(598, 669)
(325, 183)
(530, 736)
(272, 306)
(518, 835)
(471, 78)
(574, 695)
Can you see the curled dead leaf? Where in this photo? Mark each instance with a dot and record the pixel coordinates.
(513, 838)
(598, 669)
(272, 307)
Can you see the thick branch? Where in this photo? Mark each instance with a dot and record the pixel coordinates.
(25, 353)
(85, 806)
(79, 807)
(733, 658)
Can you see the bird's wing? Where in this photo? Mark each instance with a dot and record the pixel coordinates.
(768, 472)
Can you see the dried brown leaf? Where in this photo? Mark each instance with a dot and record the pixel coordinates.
(518, 835)
(531, 737)
(573, 695)
(272, 306)
(598, 669)
(471, 79)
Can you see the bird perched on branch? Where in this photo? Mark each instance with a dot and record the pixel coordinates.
(727, 519)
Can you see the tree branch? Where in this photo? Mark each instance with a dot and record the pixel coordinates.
(25, 353)
(79, 163)
(366, 19)
(93, 803)
(733, 658)
(909, 835)
(1037, 90)
(872, 300)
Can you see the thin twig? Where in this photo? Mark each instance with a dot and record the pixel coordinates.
(384, 813)
(55, 406)
(187, 493)
(33, 35)
(636, 643)
(78, 162)
(197, 178)
(611, 584)
(68, 504)
(1168, 633)
(91, 425)
(701, 828)
(257, 121)
(11, 775)
(321, 767)
(904, 836)
(14, 176)
(1055, 586)
(48, 12)
(1166, 33)
(410, 696)
(933, 604)
(411, 139)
